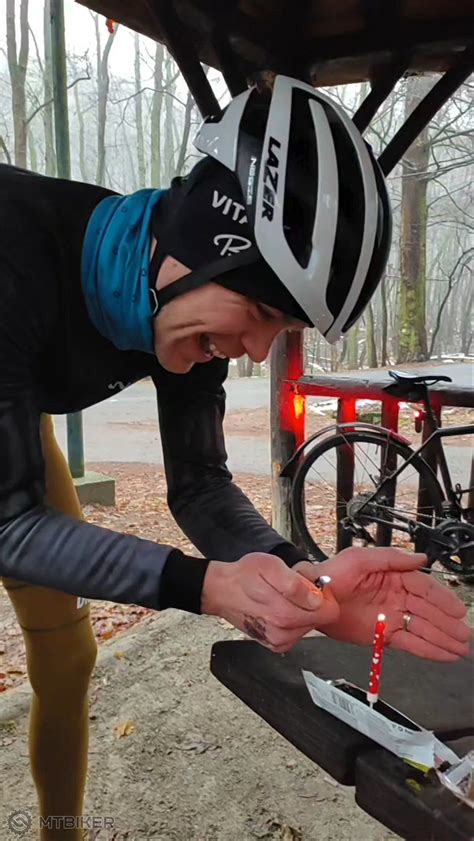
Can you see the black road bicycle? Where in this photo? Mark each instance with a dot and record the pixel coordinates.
(361, 484)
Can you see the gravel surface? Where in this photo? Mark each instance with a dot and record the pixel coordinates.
(174, 756)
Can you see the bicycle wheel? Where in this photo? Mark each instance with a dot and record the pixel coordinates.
(326, 521)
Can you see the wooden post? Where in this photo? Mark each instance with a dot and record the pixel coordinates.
(470, 498)
(390, 411)
(346, 413)
(61, 114)
(75, 441)
(287, 416)
(425, 508)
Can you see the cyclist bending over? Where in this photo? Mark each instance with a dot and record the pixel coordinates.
(284, 223)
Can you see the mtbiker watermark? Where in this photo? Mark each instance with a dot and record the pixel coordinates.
(21, 821)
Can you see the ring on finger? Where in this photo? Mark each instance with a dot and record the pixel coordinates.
(407, 617)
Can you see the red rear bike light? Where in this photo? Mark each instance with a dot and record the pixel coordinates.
(298, 405)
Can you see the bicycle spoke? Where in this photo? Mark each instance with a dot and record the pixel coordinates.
(326, 483)
(373, 463)
(386, 517)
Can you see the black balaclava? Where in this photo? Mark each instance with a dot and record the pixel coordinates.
(201, 222)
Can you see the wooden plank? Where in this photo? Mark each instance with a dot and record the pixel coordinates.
(325, 18)
(336, 40)
(273, 687)
(443, 702)
(462, 746)
(436, 695)
(412, 804)
(333, 386)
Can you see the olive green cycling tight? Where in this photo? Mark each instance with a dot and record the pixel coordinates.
(61, 652)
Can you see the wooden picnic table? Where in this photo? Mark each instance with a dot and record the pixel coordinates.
(436, 696)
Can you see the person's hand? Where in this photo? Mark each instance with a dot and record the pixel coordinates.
(368, 581)
(271, 603)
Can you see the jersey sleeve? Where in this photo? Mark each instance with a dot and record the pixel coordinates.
(47, 548)
(211, 510)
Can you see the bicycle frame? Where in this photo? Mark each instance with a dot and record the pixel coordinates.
(435, 437)
(434, 441)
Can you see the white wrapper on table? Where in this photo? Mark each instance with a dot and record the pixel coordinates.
(410, 742)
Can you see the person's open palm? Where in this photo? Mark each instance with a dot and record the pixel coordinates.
(369, 581)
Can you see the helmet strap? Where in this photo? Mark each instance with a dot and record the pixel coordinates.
(198, 277)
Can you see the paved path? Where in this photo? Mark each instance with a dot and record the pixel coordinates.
(125, 429)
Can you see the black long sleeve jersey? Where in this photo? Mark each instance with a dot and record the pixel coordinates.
(53, 360)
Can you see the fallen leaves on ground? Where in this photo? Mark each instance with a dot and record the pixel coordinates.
(272, 827)
(197, 743)
(290, 833)
(11, 676)
(141, 509)
(124, 728)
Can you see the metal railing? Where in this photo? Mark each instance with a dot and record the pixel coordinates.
(291, 427)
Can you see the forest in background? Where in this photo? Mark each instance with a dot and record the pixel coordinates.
(134, 129)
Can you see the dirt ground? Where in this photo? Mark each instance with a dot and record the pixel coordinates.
(140, 509)
(192, 762)
(174, 755)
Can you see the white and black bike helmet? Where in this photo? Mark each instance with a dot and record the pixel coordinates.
(314, 196)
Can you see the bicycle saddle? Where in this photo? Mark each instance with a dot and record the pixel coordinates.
(419, 379)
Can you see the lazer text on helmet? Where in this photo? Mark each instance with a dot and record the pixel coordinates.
(270, 179)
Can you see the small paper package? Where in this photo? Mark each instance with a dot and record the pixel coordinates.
(382, 723)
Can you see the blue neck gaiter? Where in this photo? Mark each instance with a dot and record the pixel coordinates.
(115, 264)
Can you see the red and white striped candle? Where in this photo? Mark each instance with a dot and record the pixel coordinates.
(377, 654)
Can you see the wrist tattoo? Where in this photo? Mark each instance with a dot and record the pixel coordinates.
(255, 628)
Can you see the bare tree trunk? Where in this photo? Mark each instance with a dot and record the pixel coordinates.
(370, 337)
(49, 151)
(81, 139)
(61, 111)
(412, 317)
(352, 350)
(17, 65)
(131, 164)
(241, 366)
(394, 306)
(139, 116)
(245, 366)
(103, 84)
(4, 151)
(466, 333)
(343, 351)
(32, 150)
(384, 342)
(156, 107)
(186, 131)
(461, 263)
(168, 145)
